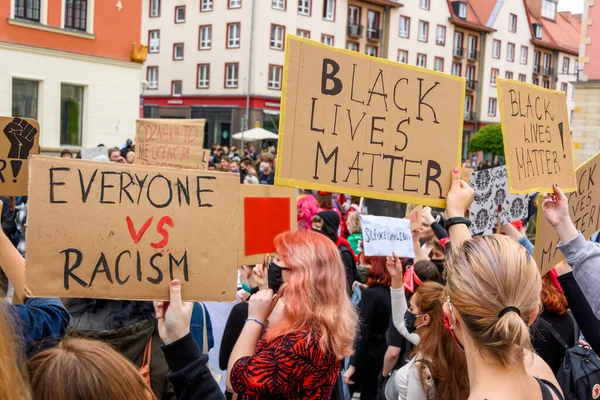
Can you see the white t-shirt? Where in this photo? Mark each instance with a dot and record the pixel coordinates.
(408, 382)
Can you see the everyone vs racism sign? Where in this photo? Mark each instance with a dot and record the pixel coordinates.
(367, 126)
(537, 142)
(113, 231)
(19, 138)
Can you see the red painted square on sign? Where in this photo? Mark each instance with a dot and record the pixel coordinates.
(264, 218)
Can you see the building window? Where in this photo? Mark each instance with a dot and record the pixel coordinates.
(277, 36)
(178, 51)
(403, 56)
(176, 87)
(547, 63)
(522, 78)
(76, 14)
(564, 87)
(470, 75)
(549, 9)
(371, 50)
(424, 4)
(512, 23)
(440, 35)
(508, 75)
(404, 27)
(510, 52)
(304, 7)
(231, 75)
(472, 47)
(493, 76)
(496, 48)
(206, 5)
(275, 74)
(24, 98)
(278, 4)
(458, 44)
(456, 69)
(421, 60)
(492, 107)
(468, 107)
(438, 64)
(71, 114)
(205, 37)
(235, 4)
(373, 25)
(303, 33)
(546, 84)
(524, 53)
(565, 68)
(352, 46)
(462, 10)
(203, 76)
(327, 39)
(536, 62)
(179, 14)
(423, 31)
(538, 31)
(535, 81)
(233, 36)
(152, 78)
(154, 8)
(353, 16)
(154, 41)
(329, 10)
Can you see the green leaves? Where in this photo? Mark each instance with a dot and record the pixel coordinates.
(488, 140)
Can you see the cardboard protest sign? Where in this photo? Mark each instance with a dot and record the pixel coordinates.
(367, 126)
(537, 142)
(491, 191)
(93, 152)
(414, 216)
(205, 159)
(170, 142)
(118, 231)
(384, 235)
(20, 138)
(584, 208)
(266, 212)
(465, 174)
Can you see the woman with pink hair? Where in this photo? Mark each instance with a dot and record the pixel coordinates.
(307, 208)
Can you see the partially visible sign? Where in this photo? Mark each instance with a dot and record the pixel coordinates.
(414, 216)
(465, 174)
(205, 159)
(537, 141)
(20, 138)
(384, 235)
(93, 152)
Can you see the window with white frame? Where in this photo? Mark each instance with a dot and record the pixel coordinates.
(373, 18)
(508, 75)
(564, 87)
(458, 44)
(462, 10)
(421, 60)
(154, 41)
(438, 64)
(472, 47)
(423, 31)
(278, 4)
(352, 46)
(205, 37)
(327, 39)
(206, 5)
(404, 26)
(468, 107)
(25, 98)
(154, 7)
(424, 4)
(403, 56)
(203, 76)
(470, 74)
(179, 14)
(549, 9)
(512, 23)
(303, 33)
(304, 7)
(522, 78)
(536, 62)
(76, 13)
(440, 35)
(492, 106)
(496, 48)
(176, 88)
(524, 53)
(510, 52)
(538, 31)
(178, 51)
(235, 3)
(456, 67)
(493, 76)
(353, 15)
(277, 36)
(565, 68)
(371, 50)
(329, 10)
(231, 75)
(152, 78)
(275, 74)
(547, 63)
(233, 36)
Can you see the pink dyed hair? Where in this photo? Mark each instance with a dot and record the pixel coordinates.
(315, 294)
(307, 208)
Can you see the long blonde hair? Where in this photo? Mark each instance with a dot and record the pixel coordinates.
(486, 275)
(13, 383)
(315, 295)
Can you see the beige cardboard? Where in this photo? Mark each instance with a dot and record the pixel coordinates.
(205, 159)
(262, 191)
(170, 142)
(537, 154)
(465, 174)
(344, 137)
(94, 221)
(584, 208)
(19, 138)
(415, 217)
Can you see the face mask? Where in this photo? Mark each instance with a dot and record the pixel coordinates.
(274, 277)
(263, 166)
(439, 264)
(246, 287)
(235, 171)
(409, 321)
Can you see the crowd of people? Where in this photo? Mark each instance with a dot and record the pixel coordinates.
(466, 318)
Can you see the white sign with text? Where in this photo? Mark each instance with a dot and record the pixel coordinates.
(384, 235)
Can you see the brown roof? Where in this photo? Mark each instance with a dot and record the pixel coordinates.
(473, 20)
(562, 34)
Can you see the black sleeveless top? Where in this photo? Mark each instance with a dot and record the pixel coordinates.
(546, 386)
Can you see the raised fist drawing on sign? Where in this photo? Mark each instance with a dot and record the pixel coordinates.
(21, 135)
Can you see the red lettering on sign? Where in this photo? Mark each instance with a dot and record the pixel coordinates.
(161, 230)
(137, 236)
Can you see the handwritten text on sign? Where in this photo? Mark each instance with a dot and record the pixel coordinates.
(584, 209)
(367, 126)
(140, 227)
(384, 235)
(537, 142)
(170, 142)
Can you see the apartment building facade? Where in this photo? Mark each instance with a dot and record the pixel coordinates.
(67, 63)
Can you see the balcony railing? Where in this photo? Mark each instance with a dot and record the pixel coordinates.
(548, 71)
(469, 116)
(536, 69)
(355, 30)
(471, 84)
(472, 55)
(458, 52)
(374, 34)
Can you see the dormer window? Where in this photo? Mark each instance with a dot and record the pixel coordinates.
(549, 9)
(537, 31)
(460, 9)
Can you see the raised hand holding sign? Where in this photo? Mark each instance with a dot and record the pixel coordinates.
(19, 140)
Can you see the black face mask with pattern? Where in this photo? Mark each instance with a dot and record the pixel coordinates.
(274, 277)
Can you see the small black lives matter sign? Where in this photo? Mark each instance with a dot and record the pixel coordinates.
(537, 142)
(20, 138)
(367, 126)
